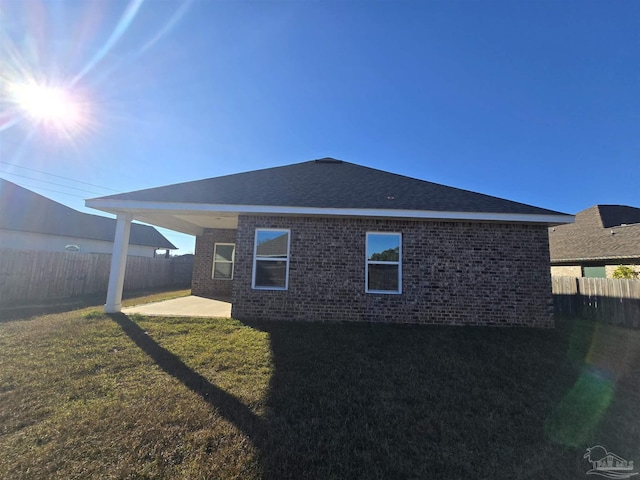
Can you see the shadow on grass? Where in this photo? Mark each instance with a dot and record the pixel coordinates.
(228, 405)
(390, 401)
(59, 305)
(406, 402)
(601, 403)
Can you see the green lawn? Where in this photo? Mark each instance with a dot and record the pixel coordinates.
(85, 395)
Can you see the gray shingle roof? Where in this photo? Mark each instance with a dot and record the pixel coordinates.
(329, 183)
(26, 211)
(599, 233)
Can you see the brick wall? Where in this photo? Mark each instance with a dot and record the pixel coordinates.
(453, 273)
(201, 283)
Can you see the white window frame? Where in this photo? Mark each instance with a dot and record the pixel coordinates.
(378, 262)
(232, 262)
(267, 259)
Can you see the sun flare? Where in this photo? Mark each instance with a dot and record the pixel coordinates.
(51, 106)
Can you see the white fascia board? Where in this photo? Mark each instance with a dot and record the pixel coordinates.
(134, 206)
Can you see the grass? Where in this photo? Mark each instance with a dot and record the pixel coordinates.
(23, 310)
(86, 395)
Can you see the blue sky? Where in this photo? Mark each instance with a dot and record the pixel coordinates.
(536, 101)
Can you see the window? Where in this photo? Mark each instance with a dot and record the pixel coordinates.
(271, 259)
(223, 256)
(384, 263)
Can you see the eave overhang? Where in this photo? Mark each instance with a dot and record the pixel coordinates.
(602, 258)
(192, 218)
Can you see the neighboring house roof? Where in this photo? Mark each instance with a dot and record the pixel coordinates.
(26, 211)
(326, 186)
(617, 215)
(602, 232)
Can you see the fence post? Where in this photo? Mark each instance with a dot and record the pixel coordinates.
(577, 299)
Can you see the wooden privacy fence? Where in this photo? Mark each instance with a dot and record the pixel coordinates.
(607, 300)
(28, 275)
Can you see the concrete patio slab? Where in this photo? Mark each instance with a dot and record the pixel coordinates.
(190, 306)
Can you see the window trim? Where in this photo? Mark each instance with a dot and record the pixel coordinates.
(268, 259)
(379, 262)
(232, 262)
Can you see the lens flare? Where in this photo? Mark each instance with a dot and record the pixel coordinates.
(44, 104)
(53, 107)
(605, 358)
(122, 26)
(581, 410)
(46, 87)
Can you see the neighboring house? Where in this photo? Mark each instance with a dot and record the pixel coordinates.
(331, 240)
(602, 238)
(29, 221)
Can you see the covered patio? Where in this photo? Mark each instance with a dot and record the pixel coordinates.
(186, 218)
(190, 306)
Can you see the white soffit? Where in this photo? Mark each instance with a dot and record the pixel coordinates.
(193, 211)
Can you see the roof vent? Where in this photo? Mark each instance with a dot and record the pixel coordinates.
(327, 160)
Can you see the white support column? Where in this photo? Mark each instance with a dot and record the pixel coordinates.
(118, 263)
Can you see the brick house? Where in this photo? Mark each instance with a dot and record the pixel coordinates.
(331, 240)
(602, 238)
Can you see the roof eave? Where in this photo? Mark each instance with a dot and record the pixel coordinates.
(564, 261)
(133, 206)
